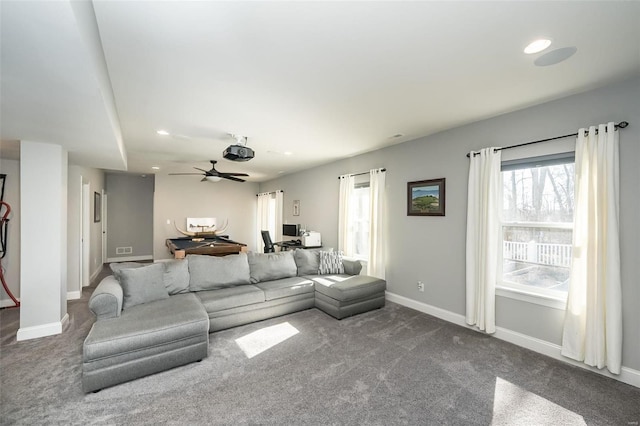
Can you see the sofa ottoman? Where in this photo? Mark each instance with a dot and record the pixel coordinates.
(145, 339)
(341, 296)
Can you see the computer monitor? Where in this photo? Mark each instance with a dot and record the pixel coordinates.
(290, 230)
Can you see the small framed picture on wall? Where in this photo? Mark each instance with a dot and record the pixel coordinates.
(426, 197)
(296, 207)
(97, 207)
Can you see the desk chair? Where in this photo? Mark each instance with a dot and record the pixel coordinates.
(268, 244)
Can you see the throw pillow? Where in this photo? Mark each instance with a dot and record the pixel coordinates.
(118, 266)
(142, 285)
(212, 272)
(331, 263)
(176, 276)
(307, 261)
(271, 266)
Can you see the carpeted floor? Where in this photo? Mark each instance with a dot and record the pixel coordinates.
(386, 367)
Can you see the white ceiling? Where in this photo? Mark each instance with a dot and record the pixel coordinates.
(323, 80)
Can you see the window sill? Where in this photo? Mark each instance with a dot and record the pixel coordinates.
(530, 297)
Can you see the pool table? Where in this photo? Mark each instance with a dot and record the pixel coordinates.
(218, 246)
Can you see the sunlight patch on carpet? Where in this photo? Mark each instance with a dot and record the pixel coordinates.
(513, 405)
(261, 340)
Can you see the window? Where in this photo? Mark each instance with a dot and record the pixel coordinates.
(360, 220)
(537, 224)
(269, 217)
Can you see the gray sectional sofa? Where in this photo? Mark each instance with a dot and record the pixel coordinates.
(153, 317)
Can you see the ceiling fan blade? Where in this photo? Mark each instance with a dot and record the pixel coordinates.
(231, 178)
(203, 170)
(203, 179)
(185, 174)
(234, 174)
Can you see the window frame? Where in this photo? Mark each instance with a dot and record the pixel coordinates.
(360, 186)
(550, 298)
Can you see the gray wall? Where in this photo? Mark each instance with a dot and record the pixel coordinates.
(129, 215)
(179, 197)
(432, 249)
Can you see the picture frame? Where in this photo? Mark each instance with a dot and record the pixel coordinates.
(296, 207)
(97, 207)
(426, 197)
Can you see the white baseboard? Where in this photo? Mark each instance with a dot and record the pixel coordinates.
(129, 258)
(95, 274)
(43, 330)
(6, 303)
(627, 375)
(73, 295)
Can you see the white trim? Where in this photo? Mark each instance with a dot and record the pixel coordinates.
(627, 375)
(96, 273)
(551, 225)
(427, 309)
(129, 258)
(531, 297)
(8, 303)
(43, 330)
(73, 295)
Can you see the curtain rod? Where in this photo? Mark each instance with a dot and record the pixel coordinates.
(267, 193)
(363, 173)
(620, 125)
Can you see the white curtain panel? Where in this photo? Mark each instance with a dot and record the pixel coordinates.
(377, 240)
(279, 215)
(345, 243)
(593, 320)
(262, 219)
(483, 238)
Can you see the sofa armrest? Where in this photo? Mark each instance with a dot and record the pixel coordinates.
(106, 300)
(351, 267)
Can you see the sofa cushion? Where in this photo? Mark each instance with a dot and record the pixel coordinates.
(147, 326)
(307, 261)
(286, 287)
(176, 276)
(331, 262)
(142, 285)
(351, 266)
(344, 287)
(271, 266)
(118, 266)
(232, 297)
(212, 272)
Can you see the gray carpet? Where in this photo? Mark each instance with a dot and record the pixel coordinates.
(390, 366)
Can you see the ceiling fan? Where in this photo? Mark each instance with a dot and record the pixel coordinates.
(213, 175)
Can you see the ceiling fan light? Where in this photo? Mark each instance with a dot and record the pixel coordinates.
(537, 46)
(213, 179)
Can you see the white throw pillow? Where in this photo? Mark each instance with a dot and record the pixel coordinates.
(331, 263)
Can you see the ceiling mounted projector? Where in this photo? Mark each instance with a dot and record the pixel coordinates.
(240, 151)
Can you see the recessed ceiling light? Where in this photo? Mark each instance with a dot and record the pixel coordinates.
(163, 132)
(288, 153)
(155, 167)
(537, 46)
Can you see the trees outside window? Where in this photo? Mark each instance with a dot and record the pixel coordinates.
(537, 225)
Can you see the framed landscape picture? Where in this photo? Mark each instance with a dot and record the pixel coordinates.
(425, 198)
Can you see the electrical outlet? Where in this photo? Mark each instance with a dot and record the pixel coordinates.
(420, 286)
